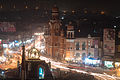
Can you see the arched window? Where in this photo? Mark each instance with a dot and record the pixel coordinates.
(68, 34)
(77, 46)
(71, 35)
(83, 46)
(41, 73)
(77, 55)
(83, 56)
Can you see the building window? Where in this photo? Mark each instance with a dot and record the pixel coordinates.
(41, 73)
(71, 35)
(68, 34)
(90, 55)
(55, 44)
(77, 55)
(71, 48)
(77, 46)
(89, 44)
(83, 56)
(83, 46)
(68, 48)
(29, 66)
(62, 40)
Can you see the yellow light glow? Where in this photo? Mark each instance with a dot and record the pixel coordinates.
(36, 7)
(14, 6)
(64, 11)
(102, 12)
(85, 11)
(73, 11)
(1, 6)
(26, 7)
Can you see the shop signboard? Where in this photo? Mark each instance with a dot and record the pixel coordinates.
(109, 42)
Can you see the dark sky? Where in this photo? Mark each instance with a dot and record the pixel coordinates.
(111, 6)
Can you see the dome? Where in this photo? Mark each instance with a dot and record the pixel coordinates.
(33, 53)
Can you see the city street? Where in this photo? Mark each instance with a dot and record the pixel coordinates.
(97, 72)
(63, 66)
(59, 40)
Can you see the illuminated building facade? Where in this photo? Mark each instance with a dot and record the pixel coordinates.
(78, 49)
(55, 40)
(68, 47)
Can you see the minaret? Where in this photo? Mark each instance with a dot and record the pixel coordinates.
(70, 45)
(23, 63)
(55, 13)
(55, 25)
(70, 31)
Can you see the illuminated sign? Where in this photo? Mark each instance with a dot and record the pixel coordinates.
(92, 61)
(108, 64)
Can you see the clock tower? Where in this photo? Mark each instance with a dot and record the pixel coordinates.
(55, 34)
(55, 23)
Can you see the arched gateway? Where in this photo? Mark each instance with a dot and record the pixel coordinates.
(35, 68)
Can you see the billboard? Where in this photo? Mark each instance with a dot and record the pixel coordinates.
(109, 42)
(7, 27)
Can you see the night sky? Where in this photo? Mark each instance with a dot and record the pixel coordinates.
(110, 6)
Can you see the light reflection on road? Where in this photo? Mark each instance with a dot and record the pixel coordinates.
(63, 66)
